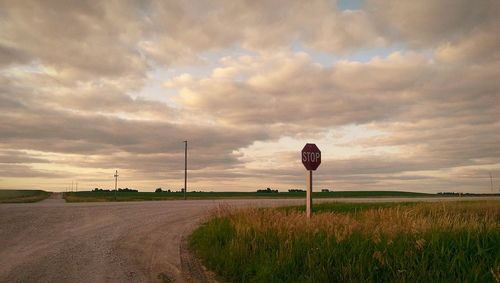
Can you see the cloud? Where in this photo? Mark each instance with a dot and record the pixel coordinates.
(78, 40)
(24, 171)
(15, 157)
(290, 88)
(427, 23)
(80, 91)
(437, 122)
(74, 133)
(179, 31)
(479, 47)
(9, 55)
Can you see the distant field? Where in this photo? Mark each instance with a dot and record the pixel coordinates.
(15, 196)
(354, 242)
(346, 207)
(140, 196)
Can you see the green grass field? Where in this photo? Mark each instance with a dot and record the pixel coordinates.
(19, 196)
(410, 242)
(140, 196)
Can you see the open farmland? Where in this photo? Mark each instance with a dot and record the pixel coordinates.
(17, 196)
(55, 241)
(423, 242)
(87, 196)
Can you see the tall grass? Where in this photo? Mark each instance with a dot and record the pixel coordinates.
(345, 207)
(439, 242)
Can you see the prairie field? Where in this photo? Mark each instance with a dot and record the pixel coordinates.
(91, 196)
(20, 196)
(384, 242)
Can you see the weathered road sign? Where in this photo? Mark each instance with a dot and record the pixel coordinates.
(311, 156)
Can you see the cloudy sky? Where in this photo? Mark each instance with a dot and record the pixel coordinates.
(398, 95)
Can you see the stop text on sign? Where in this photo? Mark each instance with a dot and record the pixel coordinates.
(311, 156)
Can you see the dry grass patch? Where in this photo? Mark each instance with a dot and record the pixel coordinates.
(449, 241)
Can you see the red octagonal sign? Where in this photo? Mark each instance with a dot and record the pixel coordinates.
(311, 156)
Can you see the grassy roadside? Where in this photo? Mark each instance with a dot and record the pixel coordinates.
(423, 242)
(87, 196)
(346, 207)
(20, 196)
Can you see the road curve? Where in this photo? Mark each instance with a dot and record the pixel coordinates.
(54, 241)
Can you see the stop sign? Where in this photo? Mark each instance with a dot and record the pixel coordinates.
(311, 156)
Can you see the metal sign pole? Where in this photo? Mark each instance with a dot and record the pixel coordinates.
(309, 182)
(116, 182)
(185, 167)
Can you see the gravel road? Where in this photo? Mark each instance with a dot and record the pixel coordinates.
(54, 241)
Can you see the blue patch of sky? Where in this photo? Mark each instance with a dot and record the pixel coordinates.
(328, 59)
(154, 89)
(214, 56)
(323, 58)
(366, 54)
(350, 4)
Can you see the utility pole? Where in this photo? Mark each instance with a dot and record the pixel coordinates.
(116, 182)
(185, 167)
(491, 181)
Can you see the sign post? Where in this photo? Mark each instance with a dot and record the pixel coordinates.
(116, 182)
(311, 158)
(185, 168)
(309, 187)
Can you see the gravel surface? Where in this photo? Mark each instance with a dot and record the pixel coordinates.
(54, 241)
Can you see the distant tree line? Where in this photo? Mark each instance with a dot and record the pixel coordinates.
(449, 193)
(465, 194)
(126, 190)
(160, 190)
(303, 191)
(268, 190)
